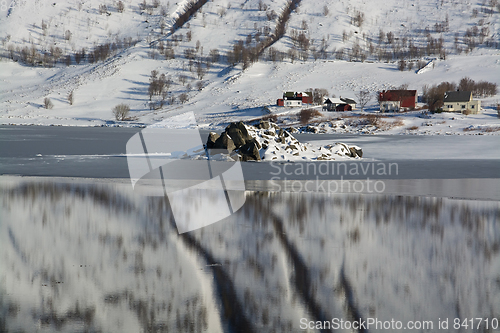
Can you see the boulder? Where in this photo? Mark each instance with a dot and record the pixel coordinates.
(239, 125)
(212, 137)
(237, 136)
(356, 151)
(225, 142)
(263, 124)
(250, 151)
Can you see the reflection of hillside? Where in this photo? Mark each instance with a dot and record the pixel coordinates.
(404, 256)
(97, 257)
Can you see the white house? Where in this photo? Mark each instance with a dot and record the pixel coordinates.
(460, 101)
(292, 102)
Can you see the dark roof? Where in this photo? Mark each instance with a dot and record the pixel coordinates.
(395, 95)
(289, 94)
(327, 101)
(403, 92)
(348, 100)
(457, 96)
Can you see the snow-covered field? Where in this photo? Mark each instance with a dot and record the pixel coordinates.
(231, 93)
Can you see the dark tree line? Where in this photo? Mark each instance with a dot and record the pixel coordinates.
(54, 55)
(250, 54)
(189, 9)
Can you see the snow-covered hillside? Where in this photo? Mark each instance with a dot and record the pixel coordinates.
(372, 36)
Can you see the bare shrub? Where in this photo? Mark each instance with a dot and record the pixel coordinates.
(47, 103)
(121, 112)
(71, 98)
(103, 9)
(325, 10)
(221, 11)
(402, 65)
(305, 115)
(371, 119)
(358, 18)
(120, 7)
(412, 128)
(67, 35)
(467, 112)
(270, 117)
(491, 129)
(199, 85)
(183, 98)
(262, 6)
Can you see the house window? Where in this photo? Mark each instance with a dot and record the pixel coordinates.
(463, 106)
(472, 106)
(450, 106)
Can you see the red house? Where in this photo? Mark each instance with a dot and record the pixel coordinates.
(343, 107)
(394, 100)
(306, 97)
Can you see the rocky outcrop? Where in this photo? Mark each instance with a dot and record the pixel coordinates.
(267, 141)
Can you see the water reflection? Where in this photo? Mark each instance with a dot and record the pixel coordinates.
(79, 256)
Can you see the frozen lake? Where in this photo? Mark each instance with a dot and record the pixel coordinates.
(100, 153)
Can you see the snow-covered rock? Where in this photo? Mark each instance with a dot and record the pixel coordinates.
(267, 141)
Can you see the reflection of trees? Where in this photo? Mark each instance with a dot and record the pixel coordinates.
(154, 234)
(276, 225)
(420, 213)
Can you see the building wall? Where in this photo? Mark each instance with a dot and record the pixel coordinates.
(473, 106)
(292, 102)
(387, 106)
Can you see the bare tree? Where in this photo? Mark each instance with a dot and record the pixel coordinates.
(363, 97)
(71, 98)
(200, 70)
(182, 79)
(292, 54)
(121, 111)
(47, 103)
(214, 55)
